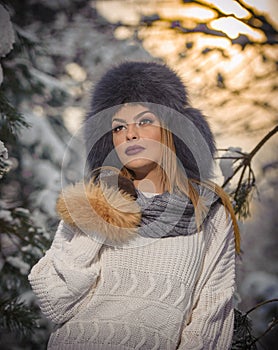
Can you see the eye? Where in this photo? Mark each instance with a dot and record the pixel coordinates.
(118, 128)
(145, 121)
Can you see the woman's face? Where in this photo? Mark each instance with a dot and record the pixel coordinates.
(137, 138)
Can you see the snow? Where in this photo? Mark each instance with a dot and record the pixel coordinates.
(17, 262)
(6, 164)
(22, 211)
(28, 298)
(46, 201)
(7, 32)
(7, 36)
(48, 81)
(31, 249)
(9, 244)
(6, 215)
(42, 136)
(3, 151)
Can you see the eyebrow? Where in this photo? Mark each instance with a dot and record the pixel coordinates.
(137, 116)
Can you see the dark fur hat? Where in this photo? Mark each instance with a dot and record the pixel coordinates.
(158, 87)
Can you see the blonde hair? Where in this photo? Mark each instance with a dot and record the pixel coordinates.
(174, 178)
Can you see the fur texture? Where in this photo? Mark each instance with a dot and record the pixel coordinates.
(139, 82)
(161, 90)
(99, 208)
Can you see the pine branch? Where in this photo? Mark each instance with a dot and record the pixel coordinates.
(11, 121)
(242, 337)
(25, 230)
(16, 316)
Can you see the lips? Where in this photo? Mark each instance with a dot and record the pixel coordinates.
(132, 150)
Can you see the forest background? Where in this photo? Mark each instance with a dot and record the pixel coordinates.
(52, 53)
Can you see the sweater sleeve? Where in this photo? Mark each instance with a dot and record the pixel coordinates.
(63, 279)
(211, 322)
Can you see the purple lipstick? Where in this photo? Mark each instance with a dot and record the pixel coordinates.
(132, 150)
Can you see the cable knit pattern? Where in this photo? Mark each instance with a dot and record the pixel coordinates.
(168, 293)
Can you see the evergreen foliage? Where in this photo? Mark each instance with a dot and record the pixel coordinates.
(243, 338)
(11, 121)
(17, 317)
(22, 243)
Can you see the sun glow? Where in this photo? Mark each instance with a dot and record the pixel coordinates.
(188, 14)
(230, 7)
(188, 11)
(232, 27)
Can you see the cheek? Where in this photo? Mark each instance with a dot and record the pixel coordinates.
(154, 149)
(119, 146)
(157, 136)
(117, 139)
(154, 133)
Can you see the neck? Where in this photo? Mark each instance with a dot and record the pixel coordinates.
(150, 182)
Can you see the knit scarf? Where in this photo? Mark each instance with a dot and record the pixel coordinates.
(166, 214)
(171, 214)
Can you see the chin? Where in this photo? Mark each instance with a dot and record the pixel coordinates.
(141, 165)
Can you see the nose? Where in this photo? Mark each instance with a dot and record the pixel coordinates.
(132, 132)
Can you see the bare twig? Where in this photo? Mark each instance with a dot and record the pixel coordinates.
(248, 157)
(240, 180)
(269, 328)
(236, 158)
(272, 325)
(263, 141)
(261, 304)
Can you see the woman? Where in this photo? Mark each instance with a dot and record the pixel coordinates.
(144, 256)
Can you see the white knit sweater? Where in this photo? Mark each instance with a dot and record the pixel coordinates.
(168, 293)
